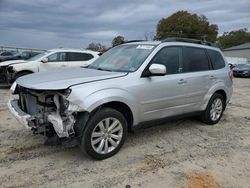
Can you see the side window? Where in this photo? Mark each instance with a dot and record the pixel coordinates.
(74, 56)
(195, 59)
(216, 59)
(59, 56)
(171, 58)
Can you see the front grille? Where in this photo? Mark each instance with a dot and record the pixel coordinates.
(32, 104)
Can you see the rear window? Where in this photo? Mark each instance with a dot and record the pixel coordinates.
(216, 59)
(74, 56)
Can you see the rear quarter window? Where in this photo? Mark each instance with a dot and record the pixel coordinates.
(216, 59)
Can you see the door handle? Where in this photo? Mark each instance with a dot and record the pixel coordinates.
(182, 81)
(63, 65)
(211, 77)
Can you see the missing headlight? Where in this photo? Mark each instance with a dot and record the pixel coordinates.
(67, 92)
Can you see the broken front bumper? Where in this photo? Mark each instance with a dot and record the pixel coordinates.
(21, 116)
(63, 127)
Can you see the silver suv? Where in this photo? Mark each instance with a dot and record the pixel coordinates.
(128, 86)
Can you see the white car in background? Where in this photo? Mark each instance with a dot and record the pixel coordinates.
(49, 60)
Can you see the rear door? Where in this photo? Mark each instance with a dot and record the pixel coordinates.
(218, 64)
(197, 69)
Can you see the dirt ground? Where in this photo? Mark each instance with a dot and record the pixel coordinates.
(185, 153)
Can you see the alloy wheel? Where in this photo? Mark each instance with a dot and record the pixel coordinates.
(106, 135)
(216, 109)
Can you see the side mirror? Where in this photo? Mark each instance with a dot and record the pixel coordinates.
(45, 60)
(157, 69)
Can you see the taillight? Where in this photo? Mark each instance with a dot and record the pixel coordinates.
(230, 74)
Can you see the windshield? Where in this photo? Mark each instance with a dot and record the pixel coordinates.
(36, 57)
(124, 58)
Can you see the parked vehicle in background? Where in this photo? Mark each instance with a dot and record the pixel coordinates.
(241, 70)
(49, 60)
(127, 87)
(9, 55)
(27, 55)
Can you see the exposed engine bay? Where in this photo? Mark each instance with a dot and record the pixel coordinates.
(49, 112)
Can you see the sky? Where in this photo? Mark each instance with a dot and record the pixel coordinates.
(48, 24)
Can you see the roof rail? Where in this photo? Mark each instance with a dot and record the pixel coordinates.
(189, 40)
(129, 41)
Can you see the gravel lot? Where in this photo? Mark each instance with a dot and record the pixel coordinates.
(184, 153)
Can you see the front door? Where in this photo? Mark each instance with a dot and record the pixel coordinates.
(163, 96)
(55, 61)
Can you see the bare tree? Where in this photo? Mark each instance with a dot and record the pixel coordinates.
(97, 47)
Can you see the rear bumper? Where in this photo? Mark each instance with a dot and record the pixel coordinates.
(21, 116)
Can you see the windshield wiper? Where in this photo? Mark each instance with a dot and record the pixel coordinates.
(102, 69)
(98, 68)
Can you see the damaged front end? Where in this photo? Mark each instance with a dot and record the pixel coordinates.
(3, 75)
(49, 111)
(7, 75)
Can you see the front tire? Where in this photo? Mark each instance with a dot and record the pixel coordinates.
(105, 134)
(214, 110)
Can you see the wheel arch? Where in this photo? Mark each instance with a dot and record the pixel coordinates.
(219, 88)
(124, 109)
(29, 71)
(22, 71)
(223, 93)
(83, 117)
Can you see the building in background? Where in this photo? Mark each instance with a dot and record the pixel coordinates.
(237, 60)
(238, 54)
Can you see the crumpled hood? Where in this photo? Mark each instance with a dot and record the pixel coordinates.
(63, 79)
(12, 62)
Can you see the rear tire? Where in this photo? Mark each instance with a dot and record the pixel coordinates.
(104, 134)
(214, 110)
